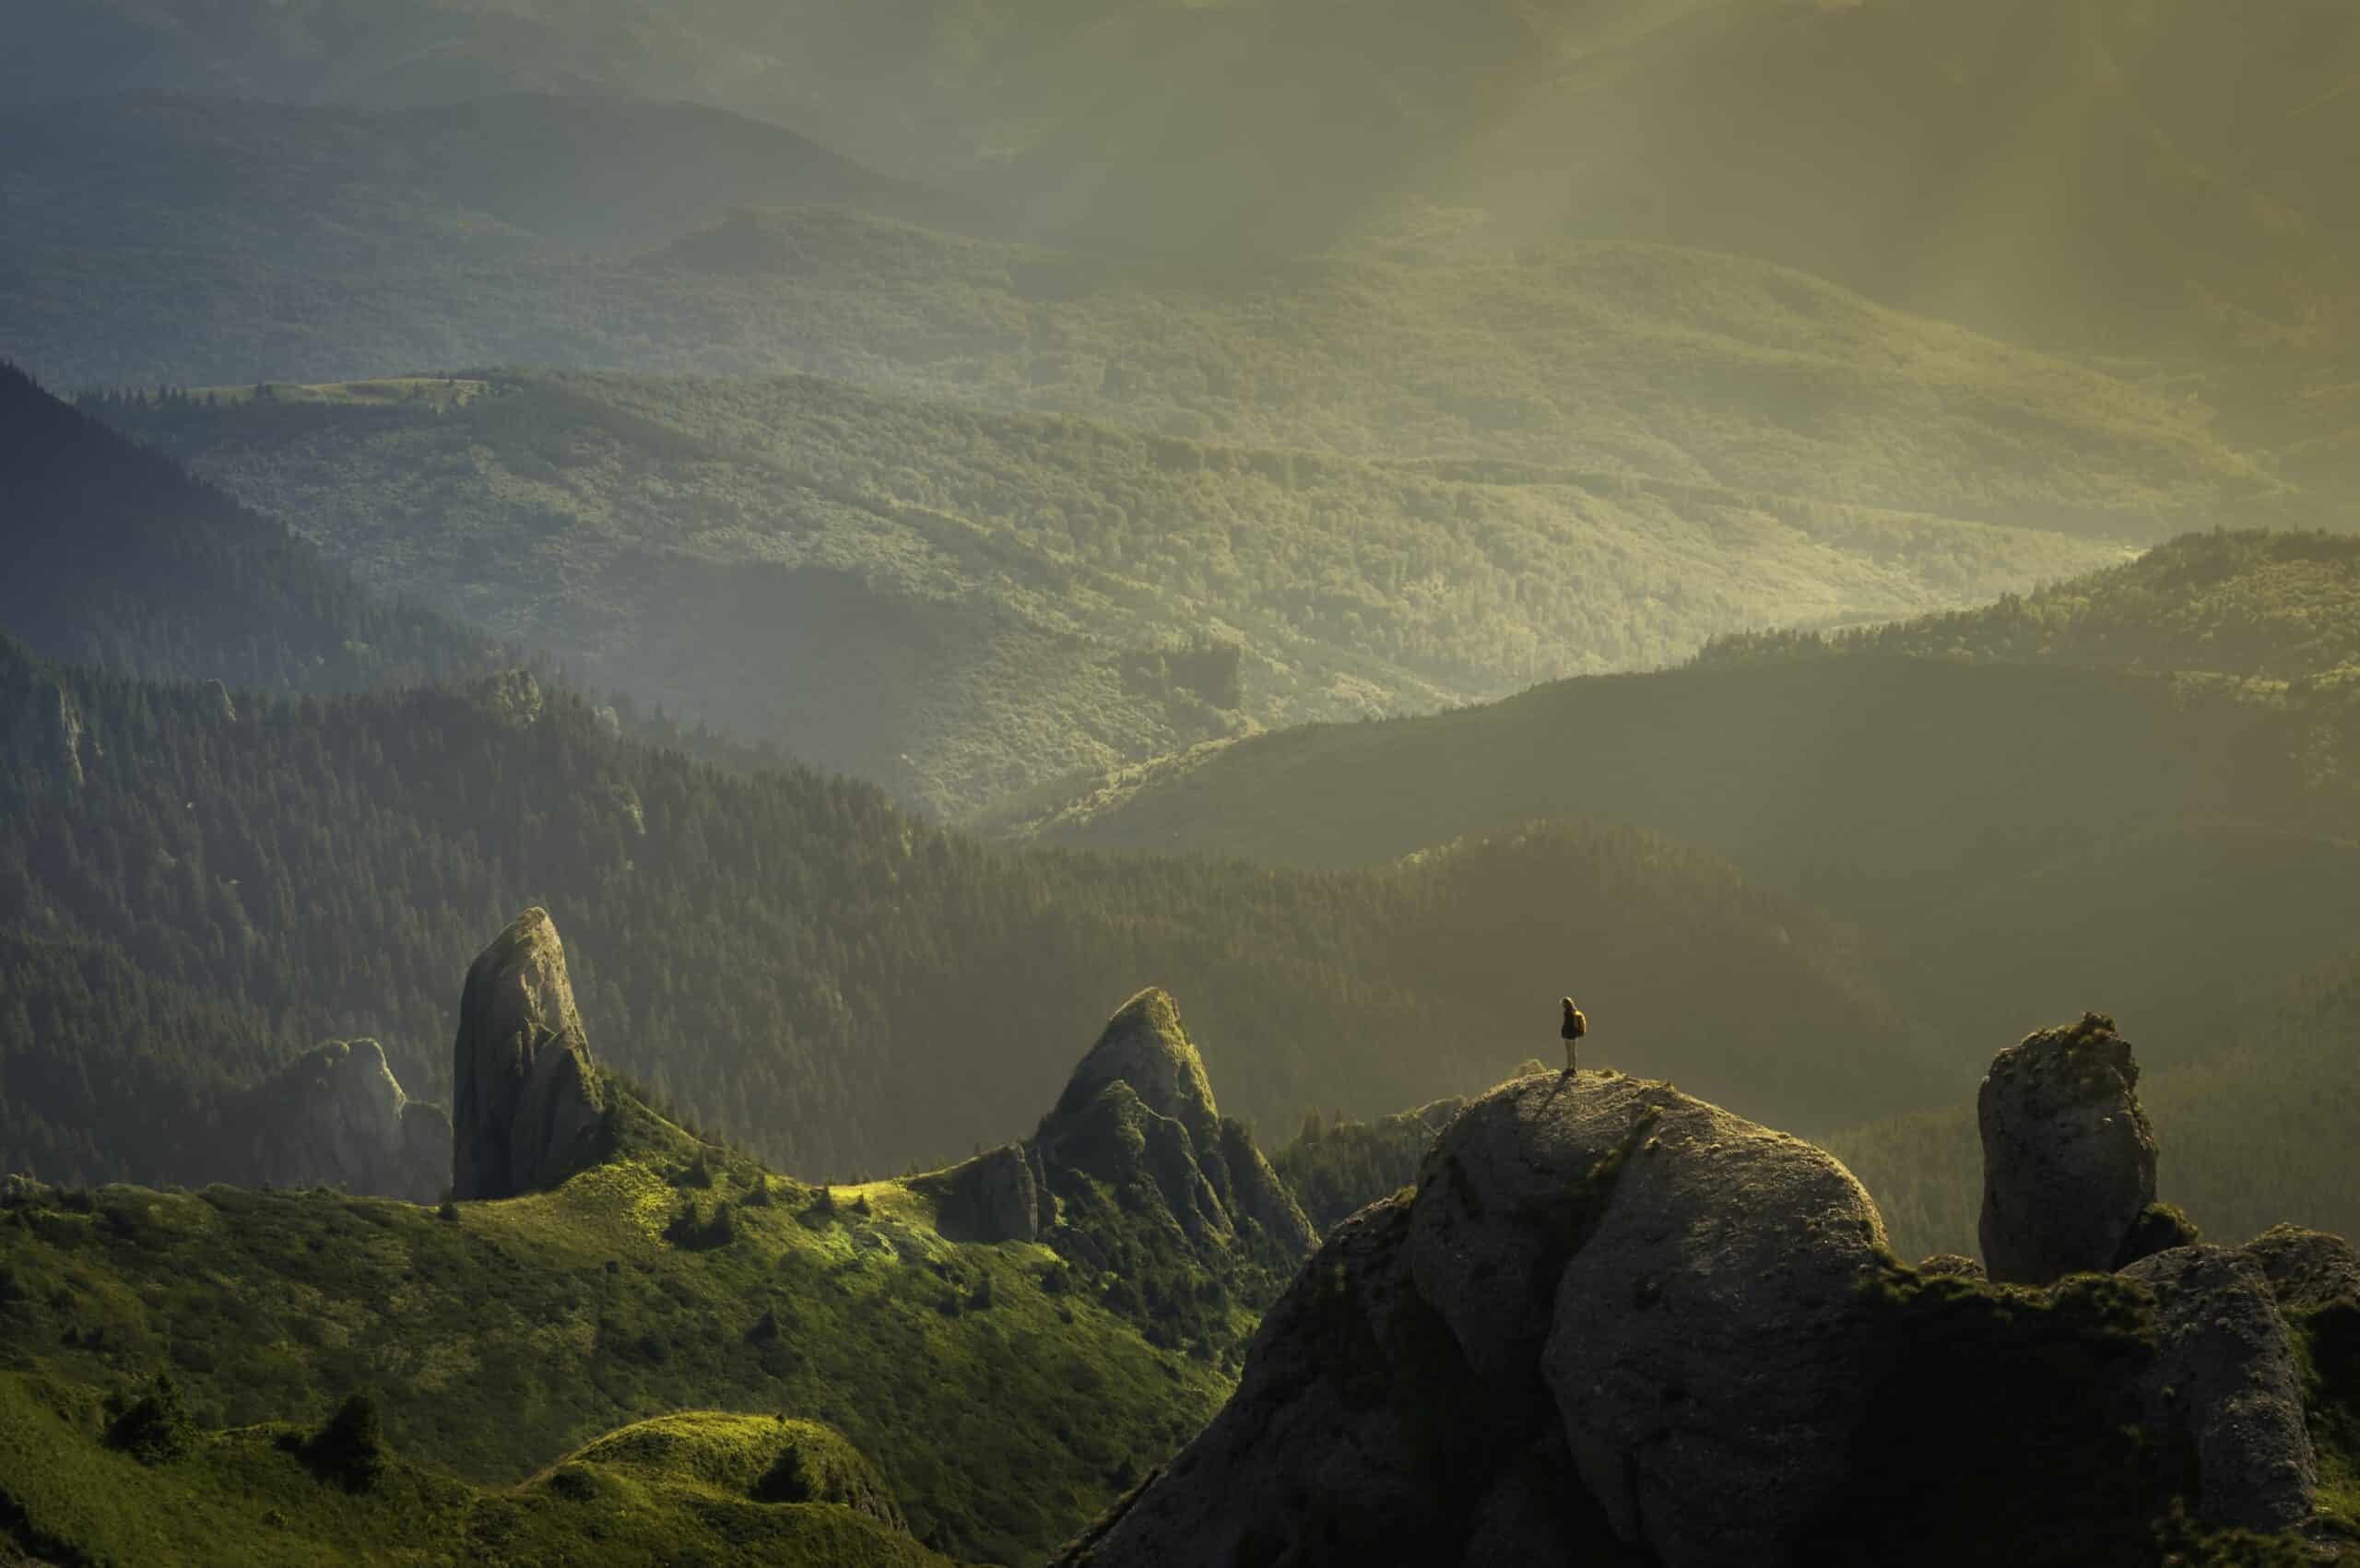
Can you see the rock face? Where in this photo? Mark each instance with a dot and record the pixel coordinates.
(1145, 1047)
(1140, 1109)
(337, 1117)
(2224, 1381)
(528, 1109)
(995, 1196)
(43, 722)
(2068, 1159)
(1614, 1325)
(1609, 1312)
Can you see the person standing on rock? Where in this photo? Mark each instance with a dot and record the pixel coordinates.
(1572, 1030)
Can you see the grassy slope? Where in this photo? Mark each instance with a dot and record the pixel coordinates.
(246, 1496)
(962, 606)
(1001, 1412)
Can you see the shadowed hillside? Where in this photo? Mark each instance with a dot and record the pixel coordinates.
(2035, 807)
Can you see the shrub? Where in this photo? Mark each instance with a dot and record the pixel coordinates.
(156, 1426)
(350, 1448)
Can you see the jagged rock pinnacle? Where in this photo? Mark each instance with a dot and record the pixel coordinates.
(1145, 1045)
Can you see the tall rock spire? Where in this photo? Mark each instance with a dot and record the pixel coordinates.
(529, 1110)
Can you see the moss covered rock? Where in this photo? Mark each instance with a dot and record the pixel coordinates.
(2069, 1159)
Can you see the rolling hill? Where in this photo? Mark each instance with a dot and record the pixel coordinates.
(2131, 791)
(2149, 175)
(962, 606)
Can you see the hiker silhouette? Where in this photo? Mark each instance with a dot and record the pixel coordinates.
(1572, 1030)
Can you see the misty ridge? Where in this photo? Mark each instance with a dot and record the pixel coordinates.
(648, 655)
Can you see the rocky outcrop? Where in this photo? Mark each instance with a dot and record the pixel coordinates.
(2068, 1159)
(995, 1196)
(1612, 1323)
(1144, 1046)
(2307, 1269)
(1654, 1302)
(1351, 1436)
(2224, 1382)
(528, 1109)
(1137, 1115)
(337, 1117)
(43, 724)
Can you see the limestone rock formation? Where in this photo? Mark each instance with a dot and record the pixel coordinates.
(1604, 1276)
(2224, 1379)
(1139, 1108)
(1347, 1439)
(2068, 1159)
(336, 1117)
(995, 1196)
(2307, 1269)
(1145, 1047)
(1613, 1325)
(528, 1109)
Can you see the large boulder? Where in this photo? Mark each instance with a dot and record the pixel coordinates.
(1609, 1316)
(527, 1106)
(1351, 1437)
(1703, 1342)
(2225, 1382)
(2068, 1159)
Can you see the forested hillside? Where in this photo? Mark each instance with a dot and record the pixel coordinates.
(786, 956)
(2134, 790)
(2275, 606)
(1680, 366)
(1990, 805)
(116, 558)
(960, 606)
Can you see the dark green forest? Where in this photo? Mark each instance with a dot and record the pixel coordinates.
(785, 955)
(2134, 790)
(117, 558)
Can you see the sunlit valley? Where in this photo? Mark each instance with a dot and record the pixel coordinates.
(1140, 783)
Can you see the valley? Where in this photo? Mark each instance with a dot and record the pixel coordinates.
(1715, 647)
